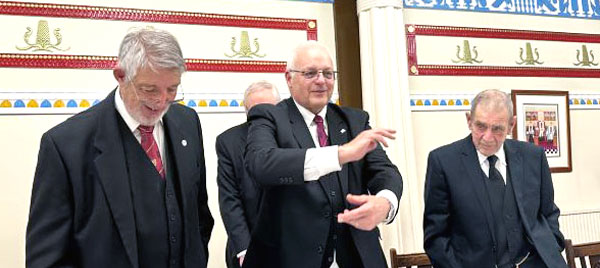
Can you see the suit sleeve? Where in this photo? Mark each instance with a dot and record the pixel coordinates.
(436, 221)
(272, 157)
(230, 198)
(205, 218)
(49, 230)
(380, 173)
(548, 208)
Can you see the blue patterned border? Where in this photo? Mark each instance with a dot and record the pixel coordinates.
(559, 8)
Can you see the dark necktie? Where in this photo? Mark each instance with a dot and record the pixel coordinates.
(494, 174)
(321, 131)
(151, 148)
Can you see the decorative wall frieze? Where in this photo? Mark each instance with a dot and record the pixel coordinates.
(588, 9)
(463, 51)
(74, 102)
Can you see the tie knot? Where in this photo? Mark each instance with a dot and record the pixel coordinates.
(492, 160)
(318, 119)
(146, 129)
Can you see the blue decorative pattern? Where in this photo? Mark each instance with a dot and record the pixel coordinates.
(559, 8)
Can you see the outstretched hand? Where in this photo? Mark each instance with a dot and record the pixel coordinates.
(362, 144)
(371, 211)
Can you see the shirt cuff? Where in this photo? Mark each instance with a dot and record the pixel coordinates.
(321, 161)
(391, 197)
(241, 254)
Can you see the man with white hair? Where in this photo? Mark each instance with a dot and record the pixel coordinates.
(122, 184)
(327, 183)
(239, 196)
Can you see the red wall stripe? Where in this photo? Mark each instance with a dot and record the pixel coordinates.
(107, 63)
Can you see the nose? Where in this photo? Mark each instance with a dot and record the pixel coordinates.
(320, 78)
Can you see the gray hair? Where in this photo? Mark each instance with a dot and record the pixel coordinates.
(260, 86)
(293, 59)
(149, 47)
(496, 98)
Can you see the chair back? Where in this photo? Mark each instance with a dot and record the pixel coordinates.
(419, 260)
(580, 251)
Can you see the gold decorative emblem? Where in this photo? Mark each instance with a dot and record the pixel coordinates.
(42, 40)
(529, 60)
(312, 24)
(414, 70)
(411, 29)
(467, 56)
(585, 58)
(245, 50)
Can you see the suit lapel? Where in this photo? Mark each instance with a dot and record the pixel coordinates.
(299, 128)
(183, 157)
(470, 162)
(514, 162)
(338, 135)
(112, 172)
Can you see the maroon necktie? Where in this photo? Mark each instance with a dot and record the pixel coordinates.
(321, 131)
(151, 148)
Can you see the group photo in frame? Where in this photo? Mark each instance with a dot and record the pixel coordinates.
(543, 120)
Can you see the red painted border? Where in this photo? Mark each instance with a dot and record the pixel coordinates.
(506, 71)
(149, 15)
(503, 34)
(107, 63)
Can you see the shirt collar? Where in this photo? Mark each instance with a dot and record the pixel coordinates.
(132, 124)
(308, 116)
(500, 154)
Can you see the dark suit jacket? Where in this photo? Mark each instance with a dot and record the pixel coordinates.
(239, 195)
(81, 207)
(458, 217)
(295, 215)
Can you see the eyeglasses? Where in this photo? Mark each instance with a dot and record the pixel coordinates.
(153, 92)
(310, 74)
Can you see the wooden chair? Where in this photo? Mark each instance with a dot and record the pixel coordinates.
(591, 250)
(419, 260)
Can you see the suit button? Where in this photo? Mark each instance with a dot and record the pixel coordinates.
(170, 194)
(330, 259)
(334, 237)
(320, 249)
(332, 193)
(173, 239)
(172, 218)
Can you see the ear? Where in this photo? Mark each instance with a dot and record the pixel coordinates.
(468, 116)
(119, 75)
(514, 123)
(288, 79)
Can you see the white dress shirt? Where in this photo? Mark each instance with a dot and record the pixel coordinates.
(500, 163)
(320, 161)
(132, 124)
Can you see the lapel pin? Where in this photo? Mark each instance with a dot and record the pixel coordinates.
(343, 131)
(184, 143)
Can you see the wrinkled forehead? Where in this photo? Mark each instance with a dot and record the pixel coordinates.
(313, 58)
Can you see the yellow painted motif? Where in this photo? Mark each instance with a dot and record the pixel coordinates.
(42, 41)
(84, 104)
(5, 104)
(59, 104)
(32, 104)
(419, 102)
(223, 103)
(467, 54)
(529, 60)
(245, 50)
(202, 103)
(585, 57)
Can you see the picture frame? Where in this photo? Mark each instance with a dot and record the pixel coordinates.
(543, 119)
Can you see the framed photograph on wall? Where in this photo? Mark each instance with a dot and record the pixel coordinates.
(543, 119)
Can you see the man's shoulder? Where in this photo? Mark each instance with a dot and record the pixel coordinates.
(234, 133)
(80, 124)
(452, 148)
(523, 147)
(349, 111)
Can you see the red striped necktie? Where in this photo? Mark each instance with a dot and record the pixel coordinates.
(151, 148)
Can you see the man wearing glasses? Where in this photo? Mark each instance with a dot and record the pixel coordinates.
(327, 182)
(122, 184)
